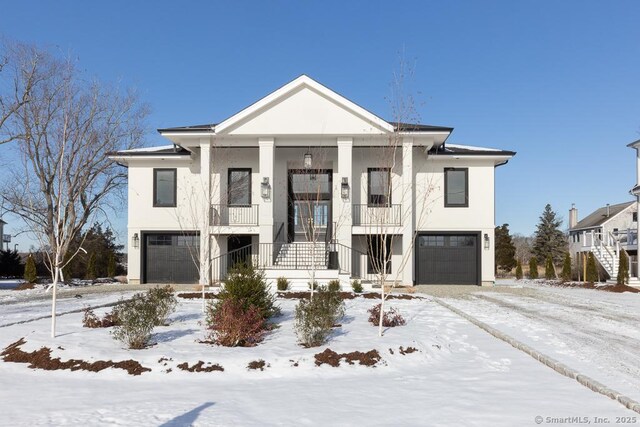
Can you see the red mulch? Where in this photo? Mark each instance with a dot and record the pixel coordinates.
(375, 295)
(307, 295)
(199, 367)
(41, 359)
(24, 286)
(407, 350)
(257, 364)
(198, 295)
(331, 358)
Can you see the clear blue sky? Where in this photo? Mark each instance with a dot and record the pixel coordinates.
(556, 81)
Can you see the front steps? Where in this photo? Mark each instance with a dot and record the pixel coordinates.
(303, 255)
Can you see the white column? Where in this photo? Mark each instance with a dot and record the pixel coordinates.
(408, 225)
(265, 208)
(342, 210)
(205, 223)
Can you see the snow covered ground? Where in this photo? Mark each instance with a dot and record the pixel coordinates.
(460, 376)
(594, 332)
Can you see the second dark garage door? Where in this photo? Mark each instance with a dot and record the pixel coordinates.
(447, 259)
(169, 258)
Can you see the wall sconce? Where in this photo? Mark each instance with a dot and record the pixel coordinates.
(486, 241)
(135, 241)
(344, 188)
(265, 188)
(308, 160)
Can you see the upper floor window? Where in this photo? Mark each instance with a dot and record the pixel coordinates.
(239, 187)
(634, 217)
(164, 188)
(456, 187)
(379, 180)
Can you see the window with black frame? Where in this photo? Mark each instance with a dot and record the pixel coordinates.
(239, 187)
(379, 186)
(164, 188)
(378, 247)
(456, 187)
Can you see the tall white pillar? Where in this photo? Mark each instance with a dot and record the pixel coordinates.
(342, 208)
(205, 220)
(267, 170)
(408, 217)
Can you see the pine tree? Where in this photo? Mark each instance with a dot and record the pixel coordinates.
(519, 270)
(548, 239)
(10, 263)
(505, 249)
(91, 267)
(30, 273)
(111, 267)
(549, 270)
(592, 270)
(566, 268)
(533, 268)
(623, 269)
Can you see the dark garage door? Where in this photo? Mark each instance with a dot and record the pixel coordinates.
(169, 258)
(447, 259)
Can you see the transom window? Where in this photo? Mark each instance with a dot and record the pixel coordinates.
(456, 187)
(379, 187)
(239, 187)
(164, 187)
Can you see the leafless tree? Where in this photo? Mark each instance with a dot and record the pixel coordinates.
(64, 132)
(390, 192)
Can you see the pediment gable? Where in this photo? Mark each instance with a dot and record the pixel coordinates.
(304, 107)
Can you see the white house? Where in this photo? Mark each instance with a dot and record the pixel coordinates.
(306, 182)
(605, 232)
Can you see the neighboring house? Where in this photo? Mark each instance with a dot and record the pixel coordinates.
(428, 203)
(605, 232)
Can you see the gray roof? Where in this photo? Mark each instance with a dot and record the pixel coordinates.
(402, 127)
(599, 216)
(162, 151)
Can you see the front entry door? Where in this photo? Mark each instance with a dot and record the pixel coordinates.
(311, 219)
(309, 205)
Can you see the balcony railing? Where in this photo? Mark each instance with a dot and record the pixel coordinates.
(377, 215)
(241, 215)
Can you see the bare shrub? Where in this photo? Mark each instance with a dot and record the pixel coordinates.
(232, 325)
(390, 318)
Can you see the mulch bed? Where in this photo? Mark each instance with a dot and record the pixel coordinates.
(407, 350)
(41, 359)
(346, 295)
(607, 288)
(257, 364)
(197, 295)
(199, 367)
(331, 358)
(24, 286)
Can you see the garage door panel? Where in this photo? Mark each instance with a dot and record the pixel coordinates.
(169, 258)
(447, 259)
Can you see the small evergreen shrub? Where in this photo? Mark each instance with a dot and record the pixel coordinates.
(623, 269)
(232, 325)
(91, 268)
(519, 270)
(313, 285)
(334, 286)
(533, 268)
(165, 302)
(390, 318)
(356, 285)
(549, 271)
(592, 269)
(136, 319)
(566, 267)
(30, 273)
(315, 318)
(282, 284)
(246, 285)
(112, 265)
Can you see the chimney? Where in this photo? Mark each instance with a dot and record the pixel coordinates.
(608, 210)
(573, 216)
